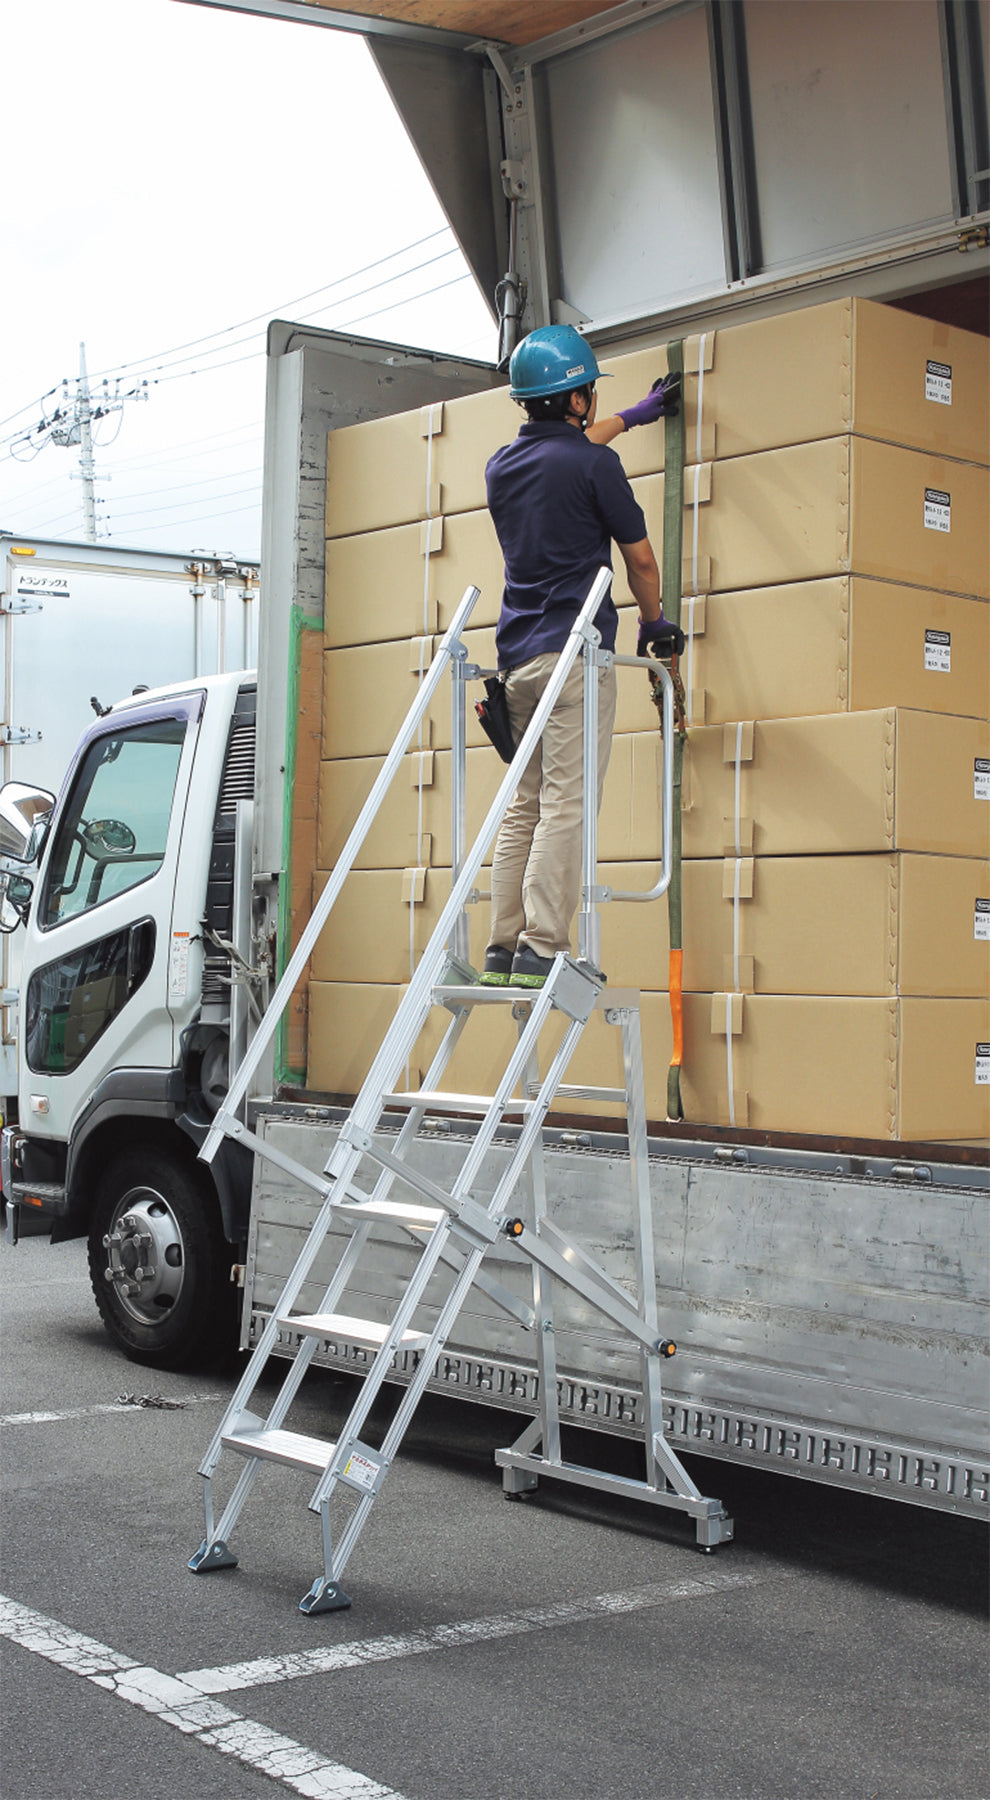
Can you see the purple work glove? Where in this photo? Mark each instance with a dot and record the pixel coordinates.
(662, 402)
(659, 637)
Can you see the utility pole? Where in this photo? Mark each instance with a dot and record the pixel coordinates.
(72, 427)
(87, 472)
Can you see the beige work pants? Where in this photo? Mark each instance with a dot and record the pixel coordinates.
(536, 872)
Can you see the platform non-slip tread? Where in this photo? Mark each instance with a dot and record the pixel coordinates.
(288, 1447)
(356, 1331)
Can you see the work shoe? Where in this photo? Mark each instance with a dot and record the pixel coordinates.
(528, 969)
(498, 966)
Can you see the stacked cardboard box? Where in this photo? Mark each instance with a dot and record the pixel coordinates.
(837, 775)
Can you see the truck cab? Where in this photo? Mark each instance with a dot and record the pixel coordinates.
(128, 1009)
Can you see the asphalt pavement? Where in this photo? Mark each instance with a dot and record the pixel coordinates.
(566, 1648)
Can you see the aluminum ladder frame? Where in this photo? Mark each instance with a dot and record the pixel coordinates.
(452, 1227)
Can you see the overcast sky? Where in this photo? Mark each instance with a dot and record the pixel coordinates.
(174, 171)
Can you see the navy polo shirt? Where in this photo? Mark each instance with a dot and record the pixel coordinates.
(557, 501)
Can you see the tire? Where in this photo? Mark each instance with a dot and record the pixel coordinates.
(156, 1224)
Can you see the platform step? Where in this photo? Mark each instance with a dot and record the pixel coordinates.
(288, 1447)
(393, 1212)
(356, 1331)
(476, 995)
(471, 1105)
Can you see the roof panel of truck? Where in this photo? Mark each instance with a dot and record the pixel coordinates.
(454, 23)
(506, 21)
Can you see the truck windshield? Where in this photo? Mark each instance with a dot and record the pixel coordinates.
(113, 832)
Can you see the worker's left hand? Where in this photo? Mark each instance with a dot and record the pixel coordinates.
(660, 637)
(662, 402)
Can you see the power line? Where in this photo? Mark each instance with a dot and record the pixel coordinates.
(270, 312)
(204, 519)
(204, 481)
(177, 505)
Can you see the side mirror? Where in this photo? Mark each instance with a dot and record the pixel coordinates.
(24, 813)
(15, 900)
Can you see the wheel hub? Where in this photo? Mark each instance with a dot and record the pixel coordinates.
(145, 1260)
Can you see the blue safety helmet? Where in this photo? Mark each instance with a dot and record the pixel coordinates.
(552, 360)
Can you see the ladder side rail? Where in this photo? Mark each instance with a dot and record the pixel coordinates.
(589, 922)
(345, 862)
(514, 1071)
(407, 1406)
(643, 1237)
(382, 1364)
(533, 1125)
(667, 839)
(460, 936)
(417, 1001)
(340, 1168)
(535, 1187)
(414, 1117)
(262, 1350)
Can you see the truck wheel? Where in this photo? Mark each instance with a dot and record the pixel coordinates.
(159, 1263)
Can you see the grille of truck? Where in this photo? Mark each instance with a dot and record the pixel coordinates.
(237, 784)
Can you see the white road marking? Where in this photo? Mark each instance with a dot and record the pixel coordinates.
(327, 1658)
(175, 1402)
(176, 1702)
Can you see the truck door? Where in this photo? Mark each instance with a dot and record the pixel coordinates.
(96, 961)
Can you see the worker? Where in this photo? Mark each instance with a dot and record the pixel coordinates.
(558, 496)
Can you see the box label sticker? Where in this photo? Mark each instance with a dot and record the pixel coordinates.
(938, 652)
(981, 778)
(938, 382)
(983, 1065)
(937, 509)
(363, 1472)
(981, 924)
(178, 967)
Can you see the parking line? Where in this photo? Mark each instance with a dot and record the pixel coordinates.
(327, 1658)
(175, 1702)
(146, 1402)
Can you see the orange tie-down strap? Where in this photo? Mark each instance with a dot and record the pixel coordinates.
(677, 1007)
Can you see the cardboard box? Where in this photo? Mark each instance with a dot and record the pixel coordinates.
(906, 1069)
(842, 505)
(347, 1022)
(886, 1069)
(921, 926)
(845, 643)
(408, 581)
(415, 465)
(911, 1070)
(414, 823)
(832, 925)
(838, 784)
(817, 372)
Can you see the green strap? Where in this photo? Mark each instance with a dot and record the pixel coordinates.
(673, 533)
(673, 495)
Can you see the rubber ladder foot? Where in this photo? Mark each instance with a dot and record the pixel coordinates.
(212, 1556)
(325, 1596)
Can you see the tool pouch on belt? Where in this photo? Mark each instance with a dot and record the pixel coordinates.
(493, 712)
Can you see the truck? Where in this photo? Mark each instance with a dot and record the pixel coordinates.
(83, 624)
(827, 1294)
